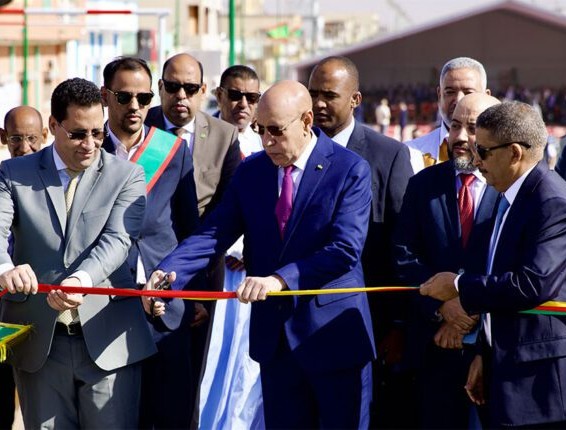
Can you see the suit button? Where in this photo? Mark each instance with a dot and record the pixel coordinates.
(461, 271)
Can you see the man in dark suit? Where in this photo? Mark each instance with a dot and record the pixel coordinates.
(171, 215)
(73, 211)
(314, 352)
(522, 364)
(23, 134)
(445, 225)
(214, 146)
(334, 88)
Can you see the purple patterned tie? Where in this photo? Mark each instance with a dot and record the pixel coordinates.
(285, 203)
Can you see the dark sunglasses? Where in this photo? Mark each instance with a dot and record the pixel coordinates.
(236, 96)
(96, 134)
(124, 97)
(274, 130)
(17, 139)
(482, 152)
(174, 87)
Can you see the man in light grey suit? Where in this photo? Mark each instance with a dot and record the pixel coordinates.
(73, 211)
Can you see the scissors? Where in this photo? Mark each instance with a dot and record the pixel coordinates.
(164, 284)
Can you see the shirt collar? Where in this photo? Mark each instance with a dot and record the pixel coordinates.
(476, 173)
(189, 128)
(513, 190)
(118, 143)
(301, 162)
(59, 163)
(343, 137)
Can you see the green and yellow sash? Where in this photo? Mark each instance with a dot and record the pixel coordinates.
(155, 154)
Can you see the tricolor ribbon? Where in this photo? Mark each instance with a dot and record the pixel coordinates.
(547, 308)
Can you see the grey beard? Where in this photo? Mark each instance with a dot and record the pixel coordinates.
(464, 165)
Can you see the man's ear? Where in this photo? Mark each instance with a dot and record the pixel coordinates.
(356, 99)
(104, 94)
(3, 136)
(44, 134)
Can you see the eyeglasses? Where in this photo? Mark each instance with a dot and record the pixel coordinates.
(124, 97)
(18, 139)
(236, 96)
(82, 135)
(274, 130)
(174, 87)
(482, 152)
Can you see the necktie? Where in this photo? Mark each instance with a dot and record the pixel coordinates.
(284, 205)
(70, 315)
(466, 206)
(178, 131)
(71, 188)
(501, 209)
(443, 151)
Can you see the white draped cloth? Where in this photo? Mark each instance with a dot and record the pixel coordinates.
(230, 392)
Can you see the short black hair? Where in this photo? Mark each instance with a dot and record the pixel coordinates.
(238, 71)
(166, 64)
(124, 63)
(347, 64)
(75, 91)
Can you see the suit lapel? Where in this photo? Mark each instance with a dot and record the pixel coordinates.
(356, 142)
(511, 230)
(82, 194)
(52, 183)
(449, 203)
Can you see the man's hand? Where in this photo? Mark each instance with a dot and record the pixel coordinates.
(201, 315)
(440, 287)
(20, 279)
(449, 336)
(255, 288)
(453, 313)
(61, 301)
(151, 306)
(475, 386)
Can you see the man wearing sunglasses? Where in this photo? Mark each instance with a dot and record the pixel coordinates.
(334, 88)
(450, 233)
(213, 144)
(303, 206)
(73, 211)
(522, 365)
(170, 216)
(23, 134)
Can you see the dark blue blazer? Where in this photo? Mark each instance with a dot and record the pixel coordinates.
(428, 240)
(321, 249)
(390, 165)
(528, 354)
(171, 215)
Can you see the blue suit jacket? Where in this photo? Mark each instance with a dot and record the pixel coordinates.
(321, 249)
(528, 354)
(171, 215)
(428, 240)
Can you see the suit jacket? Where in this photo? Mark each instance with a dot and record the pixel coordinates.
(390, 170)
(216, 155)
(427, 144)
(106, 215)
(428, 240)
(321, 249)
(528, 353)
(171, 215)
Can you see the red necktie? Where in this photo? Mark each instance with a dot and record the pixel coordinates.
(466, 206)
(285, 203)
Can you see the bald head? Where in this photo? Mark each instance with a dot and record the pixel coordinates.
(181, 88)
(462, 134)
(284, 121)
(23, 131)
